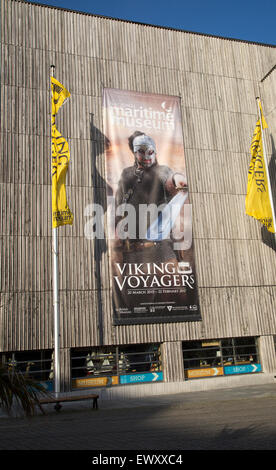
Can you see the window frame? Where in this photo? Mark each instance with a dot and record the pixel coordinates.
(20, 360)
(229, 352)
(147, 359)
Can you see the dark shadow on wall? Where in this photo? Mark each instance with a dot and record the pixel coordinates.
(267, 237)
(99, 142)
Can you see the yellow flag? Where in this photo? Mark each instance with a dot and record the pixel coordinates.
(61, 214)
(257, 202)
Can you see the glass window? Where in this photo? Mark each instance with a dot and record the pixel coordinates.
(239, 350)
(99, 361)
(140, 358)
(219, 352)
(115, 360)
(37, 364)
(201, 354)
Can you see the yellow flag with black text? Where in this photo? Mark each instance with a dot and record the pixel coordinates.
(61, 214)
(257, 202)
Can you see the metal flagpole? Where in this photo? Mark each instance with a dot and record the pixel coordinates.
(55, 296)
(56, 312)
(266, 166)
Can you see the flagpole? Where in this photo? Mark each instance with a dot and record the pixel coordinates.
(56, 296)
(266, 166)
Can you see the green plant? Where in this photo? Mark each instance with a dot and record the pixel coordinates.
(21, 388)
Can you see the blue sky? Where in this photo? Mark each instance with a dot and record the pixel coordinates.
(250, 20)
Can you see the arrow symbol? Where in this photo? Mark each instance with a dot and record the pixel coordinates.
(155, 376)
(216, 371)
(254, 367)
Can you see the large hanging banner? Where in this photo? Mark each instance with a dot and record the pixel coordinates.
(149, 212)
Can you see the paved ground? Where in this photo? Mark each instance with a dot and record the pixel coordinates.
(238, 419)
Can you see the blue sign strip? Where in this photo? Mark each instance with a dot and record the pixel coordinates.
(242, 369)
(48, 385)
(142, 377)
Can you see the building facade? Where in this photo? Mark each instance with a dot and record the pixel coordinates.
(217, 80)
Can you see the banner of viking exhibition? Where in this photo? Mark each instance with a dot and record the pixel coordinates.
(149, 212)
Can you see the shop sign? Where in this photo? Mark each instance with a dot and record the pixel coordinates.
(143, 377)
(242, 369)
(206, 372)
(48, 385)
(95, 382)
(210, 343)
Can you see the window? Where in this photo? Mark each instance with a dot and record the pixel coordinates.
(107, 365)
(139, 358)
(239, 350)
(37, 364)
(201, 354)
(216, 357)
(100, 361)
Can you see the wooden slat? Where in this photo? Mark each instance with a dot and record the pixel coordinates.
(217, 80)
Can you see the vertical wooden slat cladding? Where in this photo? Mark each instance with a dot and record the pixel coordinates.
(269, 90)
(217, 80)
(172, 356)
